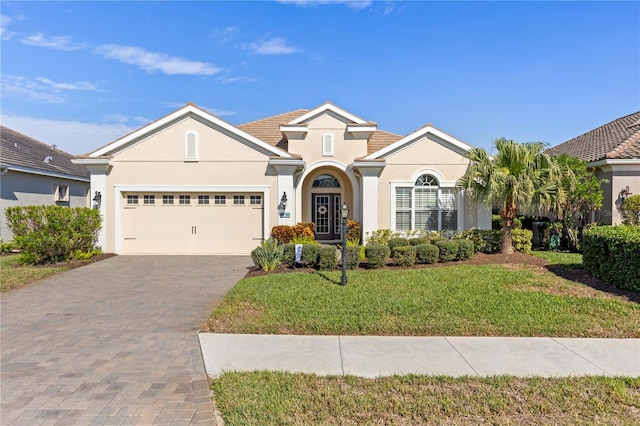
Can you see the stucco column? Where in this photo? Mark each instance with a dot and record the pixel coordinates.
(98, 170)
(484, 215)
(286, 170)
(370, 173)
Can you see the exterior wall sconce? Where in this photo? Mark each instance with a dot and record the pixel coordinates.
(344, 213)
(625, 193)
(282, 206)
(97, 200)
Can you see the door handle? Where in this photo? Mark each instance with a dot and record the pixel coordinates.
(195, 229)
(192, 230)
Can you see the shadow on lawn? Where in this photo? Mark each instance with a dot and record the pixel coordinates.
(579, 275)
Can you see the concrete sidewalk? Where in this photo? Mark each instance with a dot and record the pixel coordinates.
(374, 356)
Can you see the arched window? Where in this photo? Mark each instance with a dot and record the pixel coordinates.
(191, 146)
(426, 206)
(327, 145)
(326, 181)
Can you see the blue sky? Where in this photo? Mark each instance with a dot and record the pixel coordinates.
(81, 74)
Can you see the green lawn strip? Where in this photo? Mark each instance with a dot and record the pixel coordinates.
(462, 300)
(566, 260)
(13, 274)
(261, 398)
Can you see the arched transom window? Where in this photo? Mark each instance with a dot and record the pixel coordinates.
(426, 206)
(326, 181)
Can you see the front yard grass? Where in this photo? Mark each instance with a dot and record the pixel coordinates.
(261, 398)
(13, 274)
(458, 300)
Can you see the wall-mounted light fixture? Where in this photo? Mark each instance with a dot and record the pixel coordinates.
(97, 200)
(282, 206)
(625, 193)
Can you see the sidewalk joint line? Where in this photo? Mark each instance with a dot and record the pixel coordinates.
(461, 356)
(340, 351)
(576, 353)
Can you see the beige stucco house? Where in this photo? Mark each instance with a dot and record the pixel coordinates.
(34, 173)
(191, 183)
(612, 151)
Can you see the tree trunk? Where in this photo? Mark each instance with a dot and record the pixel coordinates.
(508, 214)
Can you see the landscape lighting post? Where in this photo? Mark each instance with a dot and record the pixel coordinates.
(344, 210)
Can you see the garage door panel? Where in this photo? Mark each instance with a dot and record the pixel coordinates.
(191, 229)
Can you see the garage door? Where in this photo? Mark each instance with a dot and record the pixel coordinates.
(191, 223)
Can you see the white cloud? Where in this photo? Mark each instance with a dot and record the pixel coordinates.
(152, 61)
(354, 4)
(273, 46)
(42, 89)
(75, 137)
(5, 34)
(224, 35)
(52, 42)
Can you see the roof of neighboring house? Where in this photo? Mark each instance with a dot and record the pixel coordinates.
(619, 139)
(21, 151)
(268, 130)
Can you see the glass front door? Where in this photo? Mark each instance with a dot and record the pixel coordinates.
(325, 213)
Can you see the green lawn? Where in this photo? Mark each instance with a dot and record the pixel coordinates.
(269, 398)
(566, 260)
(13, 275)
(458, 300)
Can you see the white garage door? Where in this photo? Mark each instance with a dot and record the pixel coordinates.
(191, 223)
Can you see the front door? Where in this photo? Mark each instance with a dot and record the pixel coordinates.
(325, 213)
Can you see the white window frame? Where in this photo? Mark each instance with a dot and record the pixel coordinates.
(187, 154)
(442, 184)
(147, 198)
(327, 151)
(65, 196)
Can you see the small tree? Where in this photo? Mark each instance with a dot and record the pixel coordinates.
(631, 210)
(581, 193)
(520, 177)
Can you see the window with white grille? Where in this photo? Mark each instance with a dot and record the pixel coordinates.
(425, 206)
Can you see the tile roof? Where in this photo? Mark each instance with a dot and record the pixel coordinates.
(268, 130)
(20, 150)
(619, 139)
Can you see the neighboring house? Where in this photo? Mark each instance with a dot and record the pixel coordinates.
(33, 173)
(612, 151)
(191, 183)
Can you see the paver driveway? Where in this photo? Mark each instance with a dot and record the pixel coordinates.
(114, 342)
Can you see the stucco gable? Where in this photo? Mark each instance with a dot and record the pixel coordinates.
(426, 132)
(189, 110)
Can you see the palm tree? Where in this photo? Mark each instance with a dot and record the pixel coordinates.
(520, 178)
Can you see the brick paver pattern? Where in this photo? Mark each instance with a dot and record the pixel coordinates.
(114, 342)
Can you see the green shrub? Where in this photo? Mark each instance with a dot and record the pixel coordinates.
(521, 240)
(8, 247)
(328, 258)
(268, 255)
(398, 242)
(86, 255)
(286, 234)
(434, 237)
(381, 236)
(403, 255)
(496, 222)
(448, 250)
(377, 255)
(310, 254)
(612, 253)
(465, 249)
(418, 241)
(50, 234)
(288, 254)
(477, 238)
(304, 239)
(356, 243)
(427, 253)
(630, 210)
(353, 257)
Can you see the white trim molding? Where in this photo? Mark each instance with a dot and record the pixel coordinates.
(183, 112)
(327, 106)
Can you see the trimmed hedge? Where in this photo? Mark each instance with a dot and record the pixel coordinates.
(521, 240)
(465, 249)
(630, 210)
(403, 255)
(353, 257)
(327, 258)
(448, 250)
(418, 241)
(398, 242)
(612, 253)
(427, 253)
(50, 234)
(377, 255)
